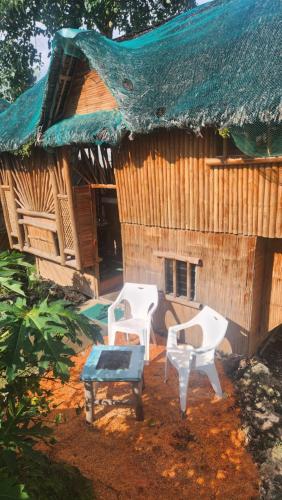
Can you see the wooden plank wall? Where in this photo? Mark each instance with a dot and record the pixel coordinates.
(163, 181)
(224, 281)
(84, 203)
(272, 290)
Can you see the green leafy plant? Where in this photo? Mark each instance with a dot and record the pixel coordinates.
(25, 150)
(37, 340)
(224, 132)
(14, 270)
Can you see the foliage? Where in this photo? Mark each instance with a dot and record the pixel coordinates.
(22, 20)
(13, 272)
(224, 132)
(37, 340)
(46, 480)
(11, 490)
(25, 150)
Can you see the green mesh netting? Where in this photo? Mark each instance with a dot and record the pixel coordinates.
(215, 65)
(103, 127)
(20, 121)
(260, 139)
(3, 105)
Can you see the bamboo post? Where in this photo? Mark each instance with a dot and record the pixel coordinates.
(278, 231)
(70, 193)
(6, 217)
(57, 214)
(16, 215)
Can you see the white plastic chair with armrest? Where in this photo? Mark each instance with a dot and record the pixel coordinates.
(182, 356)
(143, 301)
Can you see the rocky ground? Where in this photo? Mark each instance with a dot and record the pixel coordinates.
(258, 383)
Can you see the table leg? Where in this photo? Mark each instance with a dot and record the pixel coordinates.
(137, 392)
(89, 401)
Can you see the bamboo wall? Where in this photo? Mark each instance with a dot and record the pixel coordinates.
(164, 180)
(176, 197)
(87, 93)
(224, 281)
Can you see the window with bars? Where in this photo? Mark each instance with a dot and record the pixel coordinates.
(180, 277)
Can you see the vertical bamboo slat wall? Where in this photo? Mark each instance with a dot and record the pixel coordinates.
(88, 93)
(173, 198)
(163, 180)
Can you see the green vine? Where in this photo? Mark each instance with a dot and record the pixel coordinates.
(25, 150)
(224, 132)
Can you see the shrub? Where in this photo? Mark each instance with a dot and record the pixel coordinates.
(37, 337)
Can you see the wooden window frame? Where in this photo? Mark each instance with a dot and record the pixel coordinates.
(172, 297)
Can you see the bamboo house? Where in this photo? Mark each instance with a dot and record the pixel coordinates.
(158, 159)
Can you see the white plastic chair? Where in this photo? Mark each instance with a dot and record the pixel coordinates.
(143, 301)
(182, 356)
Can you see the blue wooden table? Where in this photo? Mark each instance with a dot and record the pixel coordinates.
(114, 364)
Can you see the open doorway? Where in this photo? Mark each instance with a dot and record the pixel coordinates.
(109, 240)
(93, 173)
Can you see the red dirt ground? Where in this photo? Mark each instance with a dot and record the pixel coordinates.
(163, 457)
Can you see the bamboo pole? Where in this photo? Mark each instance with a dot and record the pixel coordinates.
(70, 193)
(6, 217)
(255, 200)
(201, 167)
(242, 161)
(266, 204)
(58, 217)
(278, 229)
(273, 201)
(19, 229)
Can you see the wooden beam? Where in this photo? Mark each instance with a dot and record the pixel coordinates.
(39, 253)
(33, 213)
(40, 225)
(217, 162)
(175, 256)
(103, 186)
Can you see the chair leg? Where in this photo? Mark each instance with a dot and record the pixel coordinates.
(183, 386)
(166, 369)
(147, 352)
(211, 372)
(111, 336)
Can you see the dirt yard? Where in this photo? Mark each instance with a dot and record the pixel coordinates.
(163, 457)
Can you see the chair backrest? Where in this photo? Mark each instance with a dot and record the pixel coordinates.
(141, 298)
(213, 324)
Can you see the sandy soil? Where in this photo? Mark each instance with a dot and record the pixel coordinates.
(163, 457)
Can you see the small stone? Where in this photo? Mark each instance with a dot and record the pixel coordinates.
(276, 453)
(267, 425)
(260, 369)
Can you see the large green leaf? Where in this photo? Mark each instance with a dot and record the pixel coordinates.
(10, 490)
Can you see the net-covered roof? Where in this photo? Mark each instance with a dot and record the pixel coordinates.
(102, 127)
(217, 64)
(3, 105)
(20, 122)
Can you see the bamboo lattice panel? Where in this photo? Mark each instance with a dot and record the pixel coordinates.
(163, 181)
(66, 222)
